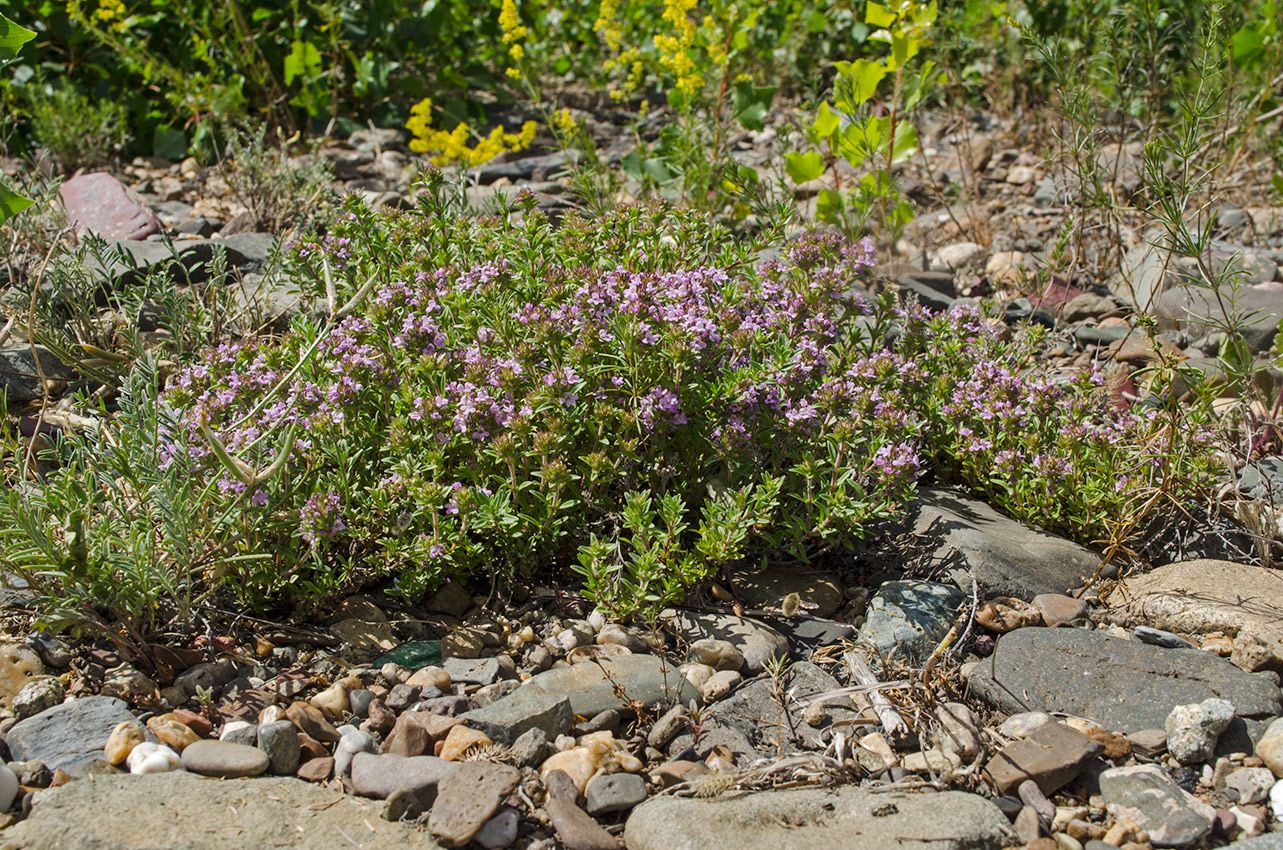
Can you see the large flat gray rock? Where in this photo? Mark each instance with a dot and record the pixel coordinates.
(504, 720)
(590, 686)
(180, 811)
(820, 819)
(1124, 685)
(68, 734)
(20, 372)
(1008, 558)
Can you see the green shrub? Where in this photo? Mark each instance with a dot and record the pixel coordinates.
(79, 131)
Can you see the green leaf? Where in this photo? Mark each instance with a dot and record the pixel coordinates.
(304, 60)
(826, 121)
(804, 166)
(905, 143)
(749, 103)
(12, 37)
(11, 203)
(877, 15)
(1248, 44)
(828, 206)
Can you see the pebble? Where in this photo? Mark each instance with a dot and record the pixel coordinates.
(1058, 608)
(360, 700)
(718, 654)
(1276, 800)
(381, 717)
(614, 792)
(530, 748)
(8, 787)
(720, 684)
(617, 635)
(1253, 784)
(351, 742)
(18, 665)
(52, 651)
(430, 677)
(1192, 730)
(310, 720)
(1021, 725)
(575, 828)
(1007, 614)
(127, 683)
(1051, 755)
(697, 674)
(598, 752)
(223, 760)
(172, 731)
(152, 758)
(243, 732)
(960, 733)
(196, 722)
(670, 724)
(1269, 749)
(316, 770)
(122, 740)
(37, 696)
(279, 741)
(500, 830)
(333, 702)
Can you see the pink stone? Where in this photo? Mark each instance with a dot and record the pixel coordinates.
(99, 203)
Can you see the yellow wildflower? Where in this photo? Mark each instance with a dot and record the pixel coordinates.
(516, 51)
(608, 26)
(510, 22)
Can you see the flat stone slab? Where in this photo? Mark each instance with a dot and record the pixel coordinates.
(590, 686)
(1008, 558)
(181, 811)
(20, 372)
(504, 720)
(1124, 685)
(820, 819)
(1196, 597)
(819, 594)
(99, 203)
(68, 734)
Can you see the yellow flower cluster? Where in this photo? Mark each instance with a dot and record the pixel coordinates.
(453, 146)
(608, 26)
(513, 32)
(110, 13)
(675, 48)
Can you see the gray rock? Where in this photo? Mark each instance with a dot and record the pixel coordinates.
(1253, 784)
(99, 203)
(909, 618)
(280, 741)
(531, 748)
(52, 651)
(529, 707)
(472, 671)
(753, 712)
(1124, 685)
(820, 820)
(500, 830)
(243, 732)
(1145, 795)
(576, 829)
(469, 796)
(590, 688)
(1260, 479)
(360, 700)
(182, 811)
(379, 776)
(614, 792)
(224, 759)
(1094, 335)
(19, 375)
(1008, 558)
(1192, 730)
(37, 696)
(353, 741)
(519, 169)
(68, 734)
(758, 641)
